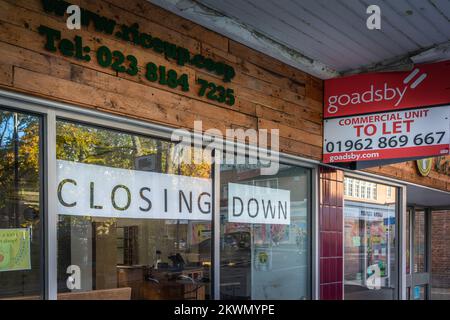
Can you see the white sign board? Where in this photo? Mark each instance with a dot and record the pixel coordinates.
(399, 134)
(251, 204)
(369, 214)
(99, 191)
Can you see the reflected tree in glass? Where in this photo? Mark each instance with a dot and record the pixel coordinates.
(20, 195)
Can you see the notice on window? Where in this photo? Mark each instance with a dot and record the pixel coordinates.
(251, 204)
(391, 135)
(15, 249)
(356, 241)
(99, 191)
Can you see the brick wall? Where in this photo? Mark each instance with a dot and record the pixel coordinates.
(440, 246)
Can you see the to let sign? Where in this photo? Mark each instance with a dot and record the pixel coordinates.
(389, 135)
(390, 115)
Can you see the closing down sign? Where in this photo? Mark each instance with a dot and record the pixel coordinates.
(251, 204)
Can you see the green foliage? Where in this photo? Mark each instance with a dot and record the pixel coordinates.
(99, 146)
(19, 167)
(74, 142)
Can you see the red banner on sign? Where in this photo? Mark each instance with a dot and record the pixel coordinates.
(425, 85)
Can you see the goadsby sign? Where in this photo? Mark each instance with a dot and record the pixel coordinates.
(394, 115)
(389, 135)
(426, 85)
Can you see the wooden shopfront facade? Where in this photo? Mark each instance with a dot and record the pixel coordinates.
(93, 185)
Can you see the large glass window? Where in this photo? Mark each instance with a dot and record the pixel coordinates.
(370, 262)
(20, 205)
(131, 215)
(265, 234)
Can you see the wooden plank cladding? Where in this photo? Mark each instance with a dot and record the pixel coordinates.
(166, 76)
(259, 91)
(438, 178)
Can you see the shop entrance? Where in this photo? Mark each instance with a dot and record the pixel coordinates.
(427, 244)
(418, 244)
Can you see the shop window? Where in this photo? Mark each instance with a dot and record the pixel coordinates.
(20, 206)
(131, 215)
(360, 189)
(127, 245)
(350, 187)
(357, 188)
(389, 192)
(370, 262)
(265, 238)
(363, 190)
(375, 191)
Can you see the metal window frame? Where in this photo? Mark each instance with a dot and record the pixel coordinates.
(52, 111)
(401, 208)
(313, 286)
(215, 270)
(48, 239)
(420, 278)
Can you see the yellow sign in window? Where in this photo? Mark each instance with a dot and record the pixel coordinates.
(15, 249)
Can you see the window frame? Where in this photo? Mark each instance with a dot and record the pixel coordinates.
(42, 192)
(313, 271)
(51, 111)
(400, 228)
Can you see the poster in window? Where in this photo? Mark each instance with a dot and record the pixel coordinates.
(15, 249)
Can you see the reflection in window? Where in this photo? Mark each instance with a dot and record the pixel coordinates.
(157, 257)
(20, 234)
(369, 238)
(408, 240)
(360, 189)
(374, 191)
(419, 241)
(357, 188)
(268, 259)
